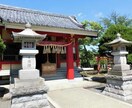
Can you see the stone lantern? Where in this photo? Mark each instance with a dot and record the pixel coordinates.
(28, 38)
(119, 79)
(29, 90)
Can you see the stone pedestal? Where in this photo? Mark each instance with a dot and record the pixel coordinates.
(119, 82)
(29, 74)
(29, 94)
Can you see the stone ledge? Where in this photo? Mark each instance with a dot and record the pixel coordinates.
(119, 81)
(29, 82)
(121, 73)
(124, 78)
(118, 91)
(32, 104)
(128, 97)
(28, 91)
(23, 99)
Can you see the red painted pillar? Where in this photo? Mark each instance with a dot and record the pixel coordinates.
(0, 65)
(58, 60)
(70, 63)
(77, 52)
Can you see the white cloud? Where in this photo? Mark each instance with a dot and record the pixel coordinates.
(99, 15)
(79, 14)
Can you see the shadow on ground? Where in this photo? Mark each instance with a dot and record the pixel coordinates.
(3, 91)
(101, 89)
(99, 79)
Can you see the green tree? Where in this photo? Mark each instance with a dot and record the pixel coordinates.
(87, 57)
(2, 46)
(113, 25)
(129, 57)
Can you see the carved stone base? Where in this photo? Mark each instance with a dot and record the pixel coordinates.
(30, 101)
(29, 94)
(121, 67)
(116, 95)
(119, 86)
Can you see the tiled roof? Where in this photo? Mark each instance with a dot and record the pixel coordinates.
(22, 16)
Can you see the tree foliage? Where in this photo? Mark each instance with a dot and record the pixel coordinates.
(113, 25)
(87, 57)
(107, 31)
(129, 57)
(2, 46)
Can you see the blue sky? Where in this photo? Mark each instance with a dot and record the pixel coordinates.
(82, 9)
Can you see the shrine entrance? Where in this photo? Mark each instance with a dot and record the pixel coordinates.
(42, 59)
(48, 59)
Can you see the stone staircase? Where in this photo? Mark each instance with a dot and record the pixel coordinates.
(61, 74)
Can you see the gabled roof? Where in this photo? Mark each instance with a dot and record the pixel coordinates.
(35, 17)
(16, 17)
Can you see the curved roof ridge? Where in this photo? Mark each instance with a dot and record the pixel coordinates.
(15, 8)
(11, 14)
(73, 19)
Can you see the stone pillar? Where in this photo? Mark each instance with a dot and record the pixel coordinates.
(70, 62)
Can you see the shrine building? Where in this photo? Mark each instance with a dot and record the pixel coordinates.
(58, 51)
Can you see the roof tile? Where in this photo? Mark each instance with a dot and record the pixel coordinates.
(40, 18)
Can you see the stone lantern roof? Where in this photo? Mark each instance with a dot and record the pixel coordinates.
(27, 33)
(119, 40)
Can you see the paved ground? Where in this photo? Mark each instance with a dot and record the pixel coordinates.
(84, 98)
(65, 84)
(77, 94)
(57, 85)
(82, 94)
(4, 104)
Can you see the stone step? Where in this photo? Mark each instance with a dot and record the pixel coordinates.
(54, 78)
(3, 82)
(60, 74)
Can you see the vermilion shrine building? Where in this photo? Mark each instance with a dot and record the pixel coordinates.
(59, 49)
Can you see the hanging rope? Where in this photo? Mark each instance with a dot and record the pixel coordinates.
(54, 48)
(51, 44)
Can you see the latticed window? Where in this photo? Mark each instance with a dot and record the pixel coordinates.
(28, 44)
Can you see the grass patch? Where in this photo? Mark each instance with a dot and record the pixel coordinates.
(93, 73)
(95, 76)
